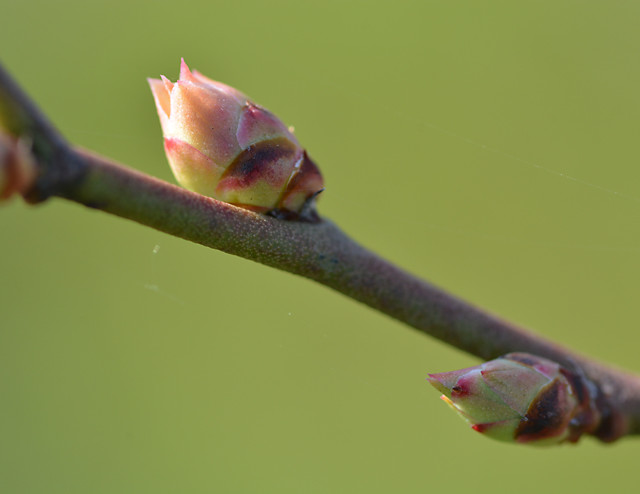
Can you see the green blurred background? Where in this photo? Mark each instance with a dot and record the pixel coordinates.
(490, 147)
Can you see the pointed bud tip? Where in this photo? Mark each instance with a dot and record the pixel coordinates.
(436, 383)
(185, 73)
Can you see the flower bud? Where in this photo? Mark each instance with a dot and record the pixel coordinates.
(521, 398)
(17, 167)
(222, 145)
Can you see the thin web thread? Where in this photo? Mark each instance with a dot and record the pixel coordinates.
(390, 110)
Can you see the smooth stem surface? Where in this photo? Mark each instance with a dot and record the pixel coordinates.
(319, 251)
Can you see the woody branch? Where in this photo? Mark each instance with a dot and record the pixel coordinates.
(319, 251)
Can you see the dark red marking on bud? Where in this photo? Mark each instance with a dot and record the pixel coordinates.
(308, 172)
(464, 386)
(481, 427)
(546, 416)
(588, 415)
(577, 386)
(459, 391)
(257, 163)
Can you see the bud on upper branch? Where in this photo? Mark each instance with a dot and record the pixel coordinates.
(221, 144)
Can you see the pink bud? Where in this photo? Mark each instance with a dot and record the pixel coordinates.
(17, 167)
(222, 145)
(522, 398)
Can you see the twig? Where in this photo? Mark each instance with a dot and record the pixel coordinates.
(320, 251)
